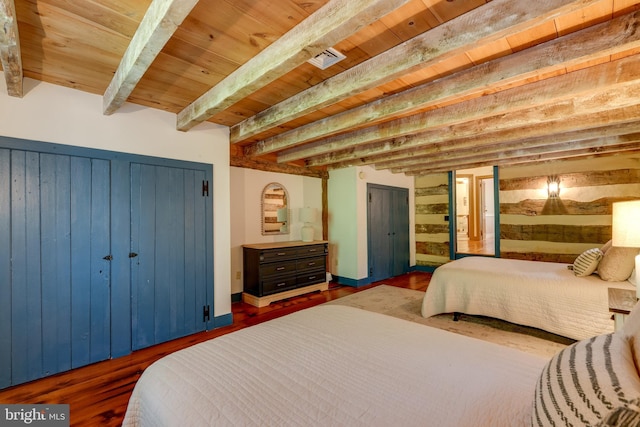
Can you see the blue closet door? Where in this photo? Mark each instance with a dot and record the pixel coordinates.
(54, 284)
(168, 253)
(387, 231)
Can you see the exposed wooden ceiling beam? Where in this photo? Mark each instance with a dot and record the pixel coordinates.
(606, 86)
(10, 48)
(243, 162)
(156, 28)
(482, 25)
(466, 135)
(334, 22)
(490, 155)
(496, 141)
(593, 43)
(616, 150)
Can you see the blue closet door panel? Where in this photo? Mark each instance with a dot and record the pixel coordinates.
(203, 252)
(55, 241)
(170, 275)
(100, 267)
(169, 253)
(81, 261)
(5, 268)
(143, 226)
(55, 296)
(379, 223)
(120, 248)
(26, 333)
(190, 253)
(195, 248)
(400, 232)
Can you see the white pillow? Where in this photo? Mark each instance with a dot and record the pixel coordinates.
(587, 262)
(617, 264)
(632, 278)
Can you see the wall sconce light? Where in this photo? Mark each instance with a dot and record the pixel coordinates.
(626, 232)
(307, 215)
(553, 187)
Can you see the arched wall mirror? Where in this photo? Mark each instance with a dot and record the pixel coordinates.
(275, 209)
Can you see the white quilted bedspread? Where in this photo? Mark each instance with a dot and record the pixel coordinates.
(334, 365)
(543, 295)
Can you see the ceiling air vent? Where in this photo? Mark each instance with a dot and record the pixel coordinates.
(326, 58)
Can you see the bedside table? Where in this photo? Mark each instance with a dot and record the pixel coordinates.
(621, 301)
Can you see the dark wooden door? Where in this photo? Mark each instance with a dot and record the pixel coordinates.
(388, 231)
(169, 253)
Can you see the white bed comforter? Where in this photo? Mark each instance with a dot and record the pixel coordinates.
(338, 366)
(543, 295)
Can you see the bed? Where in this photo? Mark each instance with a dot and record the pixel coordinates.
(335, 365)
(542, 295)
(341, 366)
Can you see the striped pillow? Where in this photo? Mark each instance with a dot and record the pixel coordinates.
(624, 416)
(587, 262)
(584, 382)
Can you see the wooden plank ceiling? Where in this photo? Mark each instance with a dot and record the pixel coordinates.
(426, 86)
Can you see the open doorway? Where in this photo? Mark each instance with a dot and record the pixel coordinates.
(475, 211)
(486, 207)
(464, 195)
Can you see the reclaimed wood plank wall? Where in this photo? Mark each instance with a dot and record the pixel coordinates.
(432, 230)
(536, 227)
(533, 226)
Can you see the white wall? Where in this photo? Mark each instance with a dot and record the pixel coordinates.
(246, 191)
(348, 217)
(60, 115)
(343, 217)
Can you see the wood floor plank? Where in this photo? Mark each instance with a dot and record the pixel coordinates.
(98, 394)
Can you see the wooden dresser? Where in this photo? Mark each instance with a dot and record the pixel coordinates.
(275, 271)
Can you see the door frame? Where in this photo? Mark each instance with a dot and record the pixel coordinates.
(453, 249)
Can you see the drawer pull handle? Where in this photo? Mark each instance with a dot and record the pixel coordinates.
(312, 250)
(281, 253)
(312, 277)
(281, 284)
(311, 263)
(280, 268)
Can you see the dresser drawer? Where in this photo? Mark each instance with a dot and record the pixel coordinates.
(270, 269)
(311, 263)
(278, 285)
(311, 277)
(311, 250)
(272, 255)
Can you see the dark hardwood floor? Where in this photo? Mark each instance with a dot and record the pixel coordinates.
(98, 394)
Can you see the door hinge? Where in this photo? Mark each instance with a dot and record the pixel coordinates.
(205, 188)
(369, 197)
(205, 313)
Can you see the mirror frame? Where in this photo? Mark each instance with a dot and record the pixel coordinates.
(271, 210)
